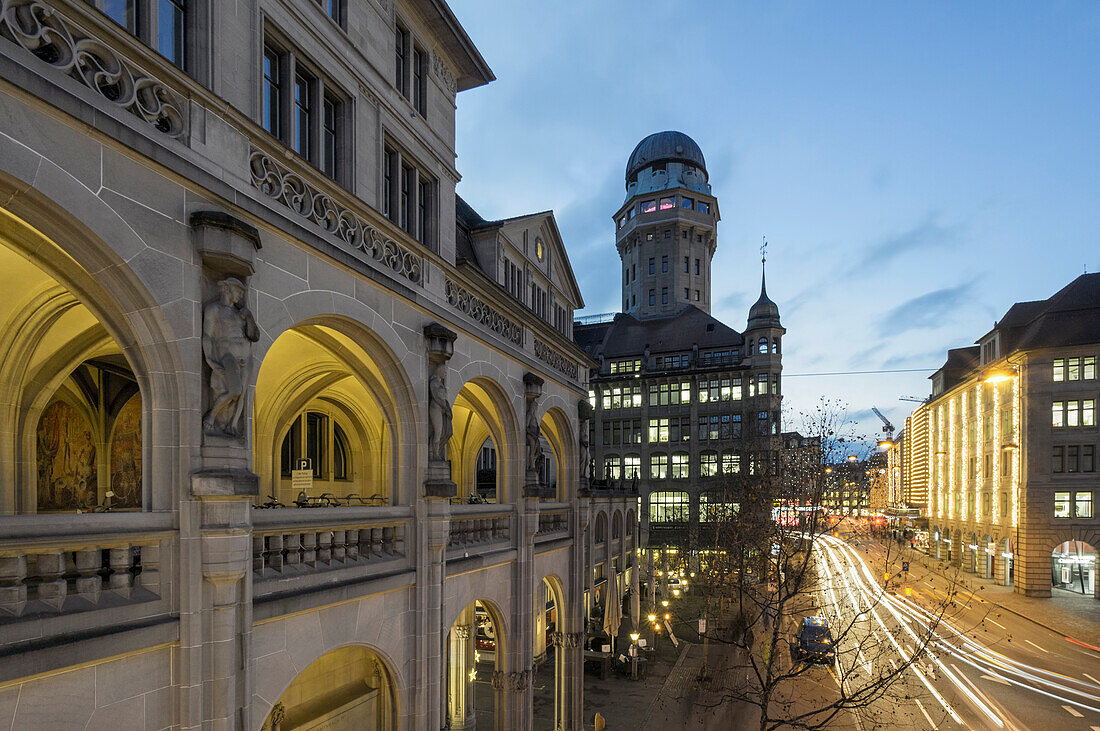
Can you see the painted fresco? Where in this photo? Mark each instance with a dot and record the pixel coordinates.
(126, 456)
(66, 460)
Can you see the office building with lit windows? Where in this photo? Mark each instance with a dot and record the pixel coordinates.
(680, 399)
(1012, 438)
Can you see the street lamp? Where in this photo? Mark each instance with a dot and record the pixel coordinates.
(634, 655)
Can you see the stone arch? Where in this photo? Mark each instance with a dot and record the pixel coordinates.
(483, 408)
(1075, 558)
(326, 689)
(600, 533)
(120, 316)
(477, 630)
(558, 431)
(555, 688)
(344, 367)
(617, 525)
(971, 553)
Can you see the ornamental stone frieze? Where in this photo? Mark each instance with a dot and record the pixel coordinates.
(58, 41)
(470, 304)
(439, 68)
(554, 359)
(318, 207)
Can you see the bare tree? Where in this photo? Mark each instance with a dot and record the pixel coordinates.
(766, 554)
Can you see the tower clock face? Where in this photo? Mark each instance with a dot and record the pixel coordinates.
(538, 249)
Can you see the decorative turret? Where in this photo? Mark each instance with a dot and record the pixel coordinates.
(764, 328)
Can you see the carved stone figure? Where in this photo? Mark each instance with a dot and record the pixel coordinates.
(440, 427)
(535, 457)
(228, 331)
(584, 411)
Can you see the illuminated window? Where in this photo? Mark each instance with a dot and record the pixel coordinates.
(1058, 414)
(669, 507)
(1088, 367)
(708, 464)
(612, 467)
(704, 207)
(658, 430)
(658, 466)
(1083, 505)
(731, 463)
(1073, 369)
(667, 203)
(1059, 369)
(1061, 505)
(649, 207)
(632, 467)
(681, 469)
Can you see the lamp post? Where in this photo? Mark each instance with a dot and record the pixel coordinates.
(634, 655)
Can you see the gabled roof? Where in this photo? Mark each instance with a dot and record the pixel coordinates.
(627, 335)
(1071, 316)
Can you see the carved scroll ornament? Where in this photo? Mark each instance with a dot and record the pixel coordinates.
(55, 39)
(318, 207)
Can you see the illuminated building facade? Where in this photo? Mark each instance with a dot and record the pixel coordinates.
(289, 435)
(1012, 439)
(683, 404)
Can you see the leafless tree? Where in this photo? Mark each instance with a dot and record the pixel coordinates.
(764, 556)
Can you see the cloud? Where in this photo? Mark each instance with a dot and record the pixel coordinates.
(927, 310)
(927, 234)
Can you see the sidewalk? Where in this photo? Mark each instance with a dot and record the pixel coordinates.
(1069, 614)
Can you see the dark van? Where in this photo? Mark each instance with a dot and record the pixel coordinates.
(815, 641)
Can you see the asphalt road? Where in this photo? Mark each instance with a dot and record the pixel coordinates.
(982, 668)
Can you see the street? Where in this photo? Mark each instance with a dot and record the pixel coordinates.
(984, 668)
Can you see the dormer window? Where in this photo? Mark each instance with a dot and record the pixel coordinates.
(990, 350)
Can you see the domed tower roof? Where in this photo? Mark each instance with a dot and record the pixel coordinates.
(764, 313)
(668, 146)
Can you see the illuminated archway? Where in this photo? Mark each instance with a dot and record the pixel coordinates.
(1073, 567)
(549, 652)
(350, 687)
(560, 472)
(329, 391)
(475, 648)
(482, 412)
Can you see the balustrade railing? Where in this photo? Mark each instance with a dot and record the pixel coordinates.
(49, 566)
(480, 526)
(320, 541)
(553, 524)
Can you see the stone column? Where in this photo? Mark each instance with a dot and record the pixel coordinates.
(573, 623)
(460, 689)
(435, 517)
(518, 695)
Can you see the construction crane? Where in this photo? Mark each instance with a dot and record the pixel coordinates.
(914, 399)
(887, 429)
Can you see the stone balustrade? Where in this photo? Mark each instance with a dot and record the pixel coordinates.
(475, 527)
(553, 523)
(288, 543)
(55, 568)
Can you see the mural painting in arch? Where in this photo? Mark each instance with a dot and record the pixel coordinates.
(347, 689)
(125, 459)
(67, 474)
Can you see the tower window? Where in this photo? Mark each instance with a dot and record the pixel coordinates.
(684, 234)
(668, 234)
(687, 203)
(649, 206)
(703, 207)
(699, 238)
(667, 203)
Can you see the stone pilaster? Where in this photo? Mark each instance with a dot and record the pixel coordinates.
(437, 525)
(460, 689)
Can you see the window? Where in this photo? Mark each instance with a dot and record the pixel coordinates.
(658, 430)
(687, 203)
(1073, 369)
(325, 444)
(1059, 369)
(763, 346)
(1073, 413)
(651, 266)
(271, 91)
(649, 207)
(696, 295)
(631, 365)
(664, 295)
(708, 464)
(332, 9)
(652, 296)
(1072, 456)
(664, 263)
(401, 59)
(681, 470)
(668, 233)
(341, 452)
(1088, 458)
(630, 213)
(667, 203)
(686, 293)
(612, 467)
(632, 467)
(1088, 367)
(731, 463)
(419, 82)
(704, 207)
(1061, 505)
(408, 199)
(312, 123)
(687, 264)
(668, 507)
(697, 267)
(658, 466)
(159, 24)
(302, 114)
(1083, 505)
(675, 393)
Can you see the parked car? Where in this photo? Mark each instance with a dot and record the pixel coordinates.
(815, 641)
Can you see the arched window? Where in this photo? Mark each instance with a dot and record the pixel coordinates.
(617, 526)
(775, 345)
(612, 467)
(763, 345)
(668, 507)
(716, 507)
(601, 528)
(323, 441)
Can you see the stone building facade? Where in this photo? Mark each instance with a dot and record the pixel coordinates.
(1012, 439)
(259, 361)
(682, 403)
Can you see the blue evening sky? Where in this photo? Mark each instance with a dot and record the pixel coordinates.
(917, 167)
